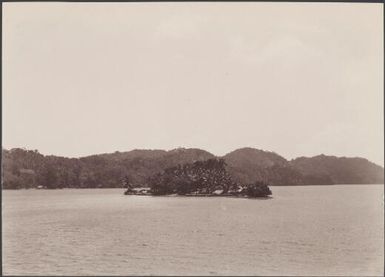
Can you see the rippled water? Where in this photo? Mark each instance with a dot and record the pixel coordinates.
(317, 230)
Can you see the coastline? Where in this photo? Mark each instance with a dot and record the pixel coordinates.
(203, 196)
(366, 184)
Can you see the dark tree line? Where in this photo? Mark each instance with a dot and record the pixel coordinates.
(30, 169)
(23, 168)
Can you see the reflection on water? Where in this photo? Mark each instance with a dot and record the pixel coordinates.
(330, 230)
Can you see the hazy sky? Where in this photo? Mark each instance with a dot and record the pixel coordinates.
(299, 79)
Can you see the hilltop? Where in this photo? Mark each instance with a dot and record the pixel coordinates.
(341, 170)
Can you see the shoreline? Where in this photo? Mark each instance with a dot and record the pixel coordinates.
(194, 195)
(203, 196)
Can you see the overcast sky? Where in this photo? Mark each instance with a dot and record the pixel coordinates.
(299, 79)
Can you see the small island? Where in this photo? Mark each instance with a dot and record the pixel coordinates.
(201, 178)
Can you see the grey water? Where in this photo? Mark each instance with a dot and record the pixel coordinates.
(314, 230)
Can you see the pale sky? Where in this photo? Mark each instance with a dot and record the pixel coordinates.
(299, 79)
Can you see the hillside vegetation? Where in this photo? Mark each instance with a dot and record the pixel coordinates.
(341, 170)
(29, 169)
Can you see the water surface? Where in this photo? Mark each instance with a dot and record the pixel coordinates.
(315, 230)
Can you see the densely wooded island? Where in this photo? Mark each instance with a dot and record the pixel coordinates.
(201, 178)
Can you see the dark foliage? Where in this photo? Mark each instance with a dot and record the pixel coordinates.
(340, 170)
(29, 169)
(203, 178)
(257, 189)
(194, 178)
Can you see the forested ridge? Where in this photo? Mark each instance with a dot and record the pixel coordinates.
(23, 168)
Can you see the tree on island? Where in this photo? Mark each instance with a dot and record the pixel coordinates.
(198, 177)
(257, 189)
(126, 182)
(203, 178)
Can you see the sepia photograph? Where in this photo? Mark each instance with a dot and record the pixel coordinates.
(192, 139)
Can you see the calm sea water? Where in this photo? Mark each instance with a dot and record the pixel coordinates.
(317, 230)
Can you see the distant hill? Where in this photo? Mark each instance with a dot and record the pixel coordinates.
(247, 156)
(137, 153)
(29, 169)
(139, 165)
(341, 170)
(249, 164)
(175, 156)
(104, 170)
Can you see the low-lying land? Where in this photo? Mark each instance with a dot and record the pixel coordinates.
(244, 195)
